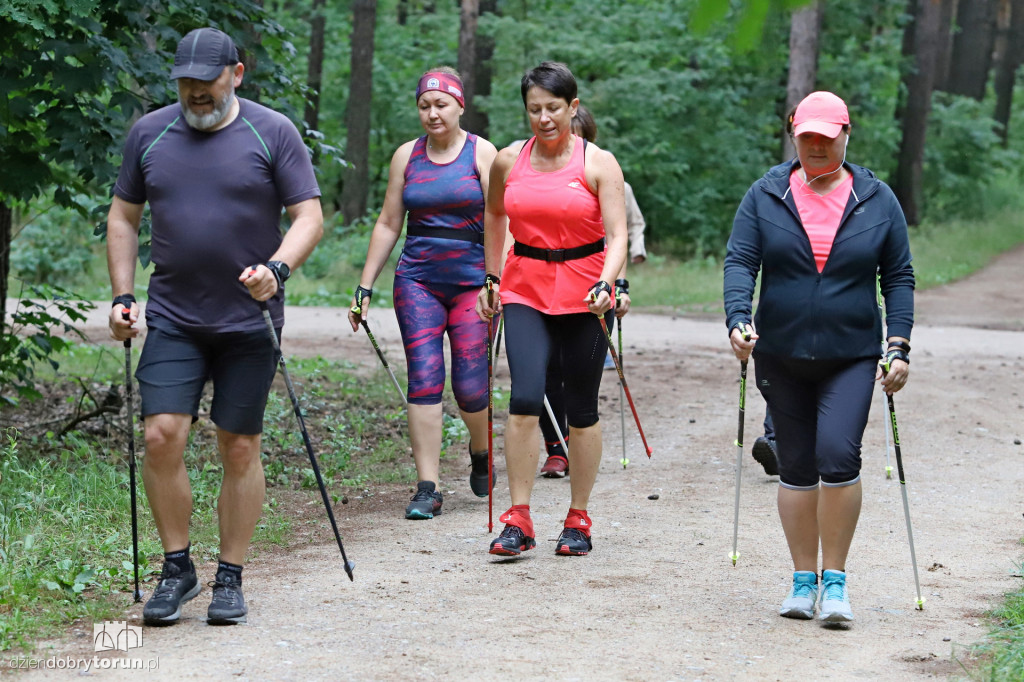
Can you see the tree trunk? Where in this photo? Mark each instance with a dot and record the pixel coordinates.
(923, 40)
(356, 179)
(804, 30)
(314, 75)
(945, 51)
(475, 119)
(972, 48)
(1009, 60)
(468, 15)
(247, 55)
(5, 261)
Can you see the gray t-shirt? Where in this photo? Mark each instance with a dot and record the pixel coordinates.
(215, 201)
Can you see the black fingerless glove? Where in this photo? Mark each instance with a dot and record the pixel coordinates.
(124, 299)
(362, 294)
(622, 286)
(598, 287)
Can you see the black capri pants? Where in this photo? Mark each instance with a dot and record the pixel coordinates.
(820, 409)
(532, 338)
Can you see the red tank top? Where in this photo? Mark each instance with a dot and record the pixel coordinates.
(551, 210)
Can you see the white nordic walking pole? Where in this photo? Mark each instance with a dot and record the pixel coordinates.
(554, 422)
(903, 488)
(739, 455)
(881, 311)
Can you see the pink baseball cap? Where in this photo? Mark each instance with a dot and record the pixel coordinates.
(821, 112)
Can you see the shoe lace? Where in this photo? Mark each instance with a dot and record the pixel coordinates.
(573, 534)
(835, 590)
(423, 496)
(512, 532)
(170, 576)
(225, 590)
(802, 589)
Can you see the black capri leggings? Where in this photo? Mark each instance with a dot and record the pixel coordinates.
(532, 337)
(820, 409)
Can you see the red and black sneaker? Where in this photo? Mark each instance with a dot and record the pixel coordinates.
(575, 538)
(555, 467)
(518, 534)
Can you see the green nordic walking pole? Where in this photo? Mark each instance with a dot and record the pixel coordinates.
(903, 488)
(739, 453)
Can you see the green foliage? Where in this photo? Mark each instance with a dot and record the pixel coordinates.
(37, 334)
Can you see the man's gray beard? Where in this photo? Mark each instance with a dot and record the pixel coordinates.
(205, 122)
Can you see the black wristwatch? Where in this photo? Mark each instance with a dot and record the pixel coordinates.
(281, 271)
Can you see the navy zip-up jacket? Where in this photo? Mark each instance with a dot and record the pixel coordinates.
(801, 313)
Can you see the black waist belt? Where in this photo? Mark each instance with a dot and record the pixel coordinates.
(558, 255)
(446, 233)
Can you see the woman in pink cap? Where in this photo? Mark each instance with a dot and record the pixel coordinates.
(820, 229)
(439, 181)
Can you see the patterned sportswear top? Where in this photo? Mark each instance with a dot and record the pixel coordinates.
(551, 210)
(446, 197)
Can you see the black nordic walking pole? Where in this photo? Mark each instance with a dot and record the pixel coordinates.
(125, 312)
(903, 487)
(490, 407)
(622, 405)
(622, 381)
(305, 436)
(739, 454)
(358, 310)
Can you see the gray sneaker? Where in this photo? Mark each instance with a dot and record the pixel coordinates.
(835, 602)
(802, 596)
(228, 605)
(174, 589)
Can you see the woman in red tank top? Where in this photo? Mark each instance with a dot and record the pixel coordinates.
(563, 203)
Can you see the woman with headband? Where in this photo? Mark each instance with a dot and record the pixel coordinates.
(819, 229)
(562, 200)
(439, 180)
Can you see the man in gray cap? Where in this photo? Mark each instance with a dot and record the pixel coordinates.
(216, 171)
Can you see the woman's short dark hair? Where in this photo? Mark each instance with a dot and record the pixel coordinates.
(555, 77)
(583, 124)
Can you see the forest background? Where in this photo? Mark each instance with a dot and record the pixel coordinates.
(690, 96)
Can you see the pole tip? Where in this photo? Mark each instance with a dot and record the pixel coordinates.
(920, 604)
(624, 461)
(888, 472)
(349, 566)
(138, 596)
(734, 556)
(649, 451)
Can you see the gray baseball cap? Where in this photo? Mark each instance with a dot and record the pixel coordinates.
(203, 53)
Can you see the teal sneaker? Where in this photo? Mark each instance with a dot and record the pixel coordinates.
(802, 596)
(835, 602)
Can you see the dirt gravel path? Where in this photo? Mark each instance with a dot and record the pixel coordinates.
(658, 599)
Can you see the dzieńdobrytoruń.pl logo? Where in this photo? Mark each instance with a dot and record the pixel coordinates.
(106, 636)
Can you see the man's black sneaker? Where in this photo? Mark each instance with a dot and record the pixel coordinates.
(512, 542)
(573, 542)
(174, 589)
(228, 605)
(764, 451)
(426, 503)
(478, 474)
